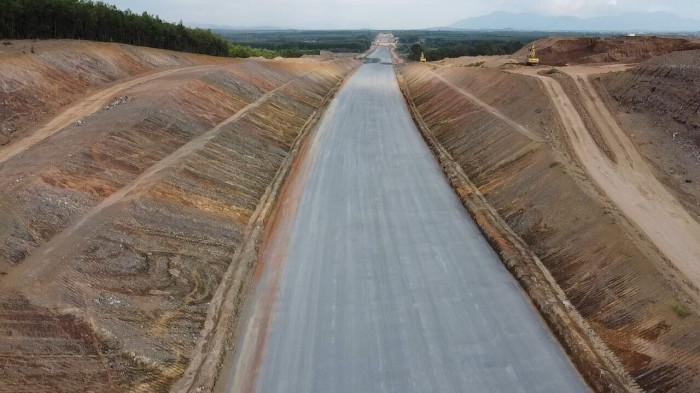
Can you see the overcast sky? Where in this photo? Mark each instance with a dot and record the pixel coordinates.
(382, 14)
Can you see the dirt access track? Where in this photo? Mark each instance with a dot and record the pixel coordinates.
(616, 235)
(124, 211)
(622, 173)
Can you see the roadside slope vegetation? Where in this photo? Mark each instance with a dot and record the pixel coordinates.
(120, 221)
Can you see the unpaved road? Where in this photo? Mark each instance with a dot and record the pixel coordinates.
(83, 108)
(382, 282)
(630, 183)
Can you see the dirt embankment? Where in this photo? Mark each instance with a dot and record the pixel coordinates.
(118, 230)
(611, 274)
(658, 103)
(562, 51)
(42, 77)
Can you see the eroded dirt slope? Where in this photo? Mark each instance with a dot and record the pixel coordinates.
(657, 103)
(41, 77)
(611, 273)
(576, 50)
(116, 231)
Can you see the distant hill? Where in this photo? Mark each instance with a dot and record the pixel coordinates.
(630, 22)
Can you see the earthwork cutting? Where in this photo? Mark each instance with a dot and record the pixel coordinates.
(486, 206)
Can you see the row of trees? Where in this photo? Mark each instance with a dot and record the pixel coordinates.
(85, 19)
(471, 48)
(441, 50)
(236, 50)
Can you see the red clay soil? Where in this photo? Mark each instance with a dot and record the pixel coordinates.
(116, 231)
(575, 50)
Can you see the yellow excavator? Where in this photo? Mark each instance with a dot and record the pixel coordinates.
(532, 58)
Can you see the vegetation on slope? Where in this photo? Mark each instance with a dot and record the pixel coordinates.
(298, 42)
(85, 19)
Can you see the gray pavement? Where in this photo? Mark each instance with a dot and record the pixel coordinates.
(388, 286)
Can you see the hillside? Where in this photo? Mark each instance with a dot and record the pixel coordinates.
(659, 100)
(575, 50)
(99, 21)
(128, 199)
(521, 147)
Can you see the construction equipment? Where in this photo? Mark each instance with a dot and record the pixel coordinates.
(532, 58)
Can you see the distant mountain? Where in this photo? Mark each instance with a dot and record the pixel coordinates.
(630, 22)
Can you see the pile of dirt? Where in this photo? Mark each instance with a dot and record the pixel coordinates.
(561, 51)
(660, 101)
(117, 231)
(611, 274)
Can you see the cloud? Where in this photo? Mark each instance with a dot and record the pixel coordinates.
(386, 14)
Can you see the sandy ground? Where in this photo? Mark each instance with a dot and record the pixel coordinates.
(40, 268)
(630, 183)
(490, 109)
(82, 109)
(122, 227)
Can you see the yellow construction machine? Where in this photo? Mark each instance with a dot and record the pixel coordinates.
(532, 58)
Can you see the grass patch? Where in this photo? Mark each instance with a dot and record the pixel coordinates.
(681, 310)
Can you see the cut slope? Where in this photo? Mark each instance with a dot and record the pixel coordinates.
(41, 77)
(562, 51)
(658, 101)
(613, 276)
(119, 229)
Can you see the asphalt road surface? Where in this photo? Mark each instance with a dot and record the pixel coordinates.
(387, 284)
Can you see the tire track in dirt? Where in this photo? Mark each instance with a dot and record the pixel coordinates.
(630, 183)
(39, 265)
(83, 108)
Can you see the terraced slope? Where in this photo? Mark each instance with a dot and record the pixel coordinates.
(40, 78)
(620, 284)
(117, 230)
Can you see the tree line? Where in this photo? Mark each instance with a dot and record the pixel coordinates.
(88, 20)
(443, 50)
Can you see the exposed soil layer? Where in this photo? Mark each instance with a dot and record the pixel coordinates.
(41, 77)
(611, 273)
(116, 231)
(562, 51)
(658, 104)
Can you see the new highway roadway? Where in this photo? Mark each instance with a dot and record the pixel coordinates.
(384, 283)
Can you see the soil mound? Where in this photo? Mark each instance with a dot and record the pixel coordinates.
(561, 51)
(660, 101)
(665, 86)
